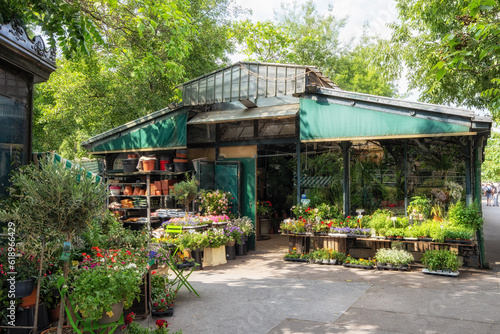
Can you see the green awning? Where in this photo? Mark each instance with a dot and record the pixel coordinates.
(69, 164)
(168, 132)
(323, 121)
(315, 181)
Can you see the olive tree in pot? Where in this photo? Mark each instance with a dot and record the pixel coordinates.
(53, 201)
(186, 191)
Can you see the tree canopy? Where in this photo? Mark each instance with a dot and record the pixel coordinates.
(450, 50)
(300, 34)
(120, 60)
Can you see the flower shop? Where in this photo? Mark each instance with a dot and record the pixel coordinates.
(253, 150)
(270, 134)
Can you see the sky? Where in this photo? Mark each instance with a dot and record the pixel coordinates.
(377, 12)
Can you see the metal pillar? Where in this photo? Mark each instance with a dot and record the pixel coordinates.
(298, 172)
(478, 159)
(469, 196)
(406, 178)
(346, 184)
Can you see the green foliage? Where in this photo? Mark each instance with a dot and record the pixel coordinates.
(466, 216)
(490, 169)
(95, 290)
(150, 48)
(419, 205)
(162, 295)
(186, 191)
(49, 293)
(449, 50)
(108, 233)
(53, 201)
(441, 260)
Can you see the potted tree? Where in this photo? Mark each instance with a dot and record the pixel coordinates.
(55, 202)
(186, 191)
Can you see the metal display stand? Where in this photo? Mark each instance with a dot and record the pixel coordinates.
(33, 328)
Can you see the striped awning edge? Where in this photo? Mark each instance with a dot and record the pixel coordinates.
(315, 181)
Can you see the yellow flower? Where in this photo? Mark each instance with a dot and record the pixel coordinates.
(110, 313)
(294, 248)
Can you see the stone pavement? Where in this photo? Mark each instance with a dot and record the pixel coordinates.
(261, 293)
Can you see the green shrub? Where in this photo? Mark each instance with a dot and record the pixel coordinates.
(466, 216)
(442, 259)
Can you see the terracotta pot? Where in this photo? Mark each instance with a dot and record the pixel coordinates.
(54, 314)
(148, 165)
(53, 329)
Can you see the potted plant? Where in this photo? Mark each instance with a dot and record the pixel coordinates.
(53, 201)
(398, 259)
(104, 284)
(162, 296)
(441, 262)
(419, 205)
(186, 191)
(216, 202)
(132, 327)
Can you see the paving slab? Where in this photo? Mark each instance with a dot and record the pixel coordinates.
(297, 326)
(251, 305)
(398, 322)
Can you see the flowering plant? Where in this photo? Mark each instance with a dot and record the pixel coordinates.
(26, 265)
(293, 254)
(185, 221)
(360, 261)
(394, 256)
(215, 218)
(216, 202)
(245, 225)
(216, 237)
(234, 233)
(264, 208)
(162, 296)
(106, 277)
(132, 327)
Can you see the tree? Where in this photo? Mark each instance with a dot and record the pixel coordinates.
(449, 49)
(302, 35)
(150, 48)
(63, 22)
(54, 202)
(491, 164)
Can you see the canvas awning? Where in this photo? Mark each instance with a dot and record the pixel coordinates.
(333, 115)
(164, 129)
(69, 164)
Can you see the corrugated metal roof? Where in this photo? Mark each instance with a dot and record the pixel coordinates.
(275, 112)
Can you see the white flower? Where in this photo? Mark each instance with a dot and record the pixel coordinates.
(131, 265)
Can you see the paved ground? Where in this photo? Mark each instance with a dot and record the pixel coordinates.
(260, 293)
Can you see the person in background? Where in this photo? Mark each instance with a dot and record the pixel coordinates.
(488, 192)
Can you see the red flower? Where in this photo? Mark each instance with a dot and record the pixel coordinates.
(160, 323)
(154, 272)
(128, 252)
(128, 319)
(99, 255)
(156, 304)
(348, 217)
